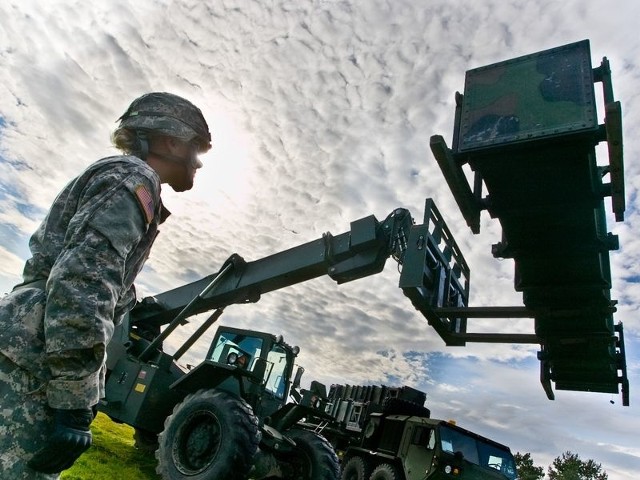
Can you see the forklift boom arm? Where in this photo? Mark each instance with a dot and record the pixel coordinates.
(358, 253)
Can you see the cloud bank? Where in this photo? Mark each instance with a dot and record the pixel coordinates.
(321, 114)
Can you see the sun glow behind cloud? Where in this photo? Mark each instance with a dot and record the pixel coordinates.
(225, 180)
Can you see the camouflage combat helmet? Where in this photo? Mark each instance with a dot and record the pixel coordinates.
(167, 114)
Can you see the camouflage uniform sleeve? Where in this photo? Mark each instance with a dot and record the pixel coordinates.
(83, 289)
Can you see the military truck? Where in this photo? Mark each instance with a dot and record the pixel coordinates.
(386, 433)
(406, 447)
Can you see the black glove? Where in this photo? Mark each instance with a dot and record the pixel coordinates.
(71, 437)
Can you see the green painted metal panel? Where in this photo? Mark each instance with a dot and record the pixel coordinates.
(533, 97)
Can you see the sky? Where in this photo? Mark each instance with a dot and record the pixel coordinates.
(321, 113)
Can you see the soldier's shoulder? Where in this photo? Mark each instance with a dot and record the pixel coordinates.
(123, 165)
(127, 170)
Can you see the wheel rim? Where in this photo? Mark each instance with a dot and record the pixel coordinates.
(197, 443)
(301, 465)
(354, 470)
(351, 475)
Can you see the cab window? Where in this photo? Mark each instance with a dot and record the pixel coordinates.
(424, 437)
(246, 350)
(275, 376)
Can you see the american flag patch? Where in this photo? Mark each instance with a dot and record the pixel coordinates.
(146, 202)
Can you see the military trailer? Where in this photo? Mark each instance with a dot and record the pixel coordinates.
(348, 408)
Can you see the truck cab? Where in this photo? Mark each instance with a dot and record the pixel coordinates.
(419, 448)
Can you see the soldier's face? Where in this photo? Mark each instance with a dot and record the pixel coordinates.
(183, 179)
(185, 172)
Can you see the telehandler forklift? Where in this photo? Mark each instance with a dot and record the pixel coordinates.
(228, 418)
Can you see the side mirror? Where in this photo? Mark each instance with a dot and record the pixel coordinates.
(297, 378)
(319, 389)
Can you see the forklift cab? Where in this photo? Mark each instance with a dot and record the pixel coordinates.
(264, 355)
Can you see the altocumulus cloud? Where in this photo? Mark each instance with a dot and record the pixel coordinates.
(321, 113)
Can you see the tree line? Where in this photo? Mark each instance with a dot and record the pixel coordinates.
(568, 466)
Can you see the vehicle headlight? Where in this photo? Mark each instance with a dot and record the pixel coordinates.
(451, 470)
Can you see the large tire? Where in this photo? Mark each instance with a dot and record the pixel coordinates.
(356, 468)
(209, 436)
(313, 459)
(385, 471)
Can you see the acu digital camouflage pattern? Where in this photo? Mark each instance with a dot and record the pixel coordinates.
(78, 283)
(89, 249)
(167, 114)
(25, 422)
(536, 96)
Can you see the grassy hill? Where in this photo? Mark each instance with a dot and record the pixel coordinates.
(112, 455)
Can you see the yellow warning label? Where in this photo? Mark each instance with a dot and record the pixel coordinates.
(140, 387)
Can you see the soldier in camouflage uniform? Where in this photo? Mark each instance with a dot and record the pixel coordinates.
(55, 326)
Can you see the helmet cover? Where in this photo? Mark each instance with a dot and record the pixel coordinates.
(167, 114)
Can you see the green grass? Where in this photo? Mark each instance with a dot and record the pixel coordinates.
(112, 455)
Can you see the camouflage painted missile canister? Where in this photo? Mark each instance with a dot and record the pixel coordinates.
(535, 97)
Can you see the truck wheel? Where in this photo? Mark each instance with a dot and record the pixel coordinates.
(313, 458)
(385, 471)
(209, 436)
(356, 468)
